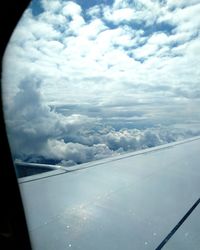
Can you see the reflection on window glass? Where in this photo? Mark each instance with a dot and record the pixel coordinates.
(85, 80)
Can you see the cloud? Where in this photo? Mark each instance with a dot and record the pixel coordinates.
(83, 83)
(181, 4)
(94, 12)
(140, 12)
(71, 9)
(30, 123)
(38, 133)
(52, 6)
(186, 20)
(119, 15)
(92, 29)
(75, 153)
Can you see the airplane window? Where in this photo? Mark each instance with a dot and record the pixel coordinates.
(86, 80)
(86, 84)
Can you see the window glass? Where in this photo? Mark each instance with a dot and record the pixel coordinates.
(85, 80)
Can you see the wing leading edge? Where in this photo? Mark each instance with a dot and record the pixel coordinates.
(127, 202)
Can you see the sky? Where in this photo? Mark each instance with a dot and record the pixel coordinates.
(85, 80)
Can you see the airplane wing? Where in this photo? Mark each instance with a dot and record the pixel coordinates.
(143, 200)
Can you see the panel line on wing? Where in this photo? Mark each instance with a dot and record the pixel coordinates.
(178, 225)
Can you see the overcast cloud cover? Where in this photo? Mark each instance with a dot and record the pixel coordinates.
(84, 80)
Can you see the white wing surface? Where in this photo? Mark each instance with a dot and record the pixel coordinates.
(129, 202)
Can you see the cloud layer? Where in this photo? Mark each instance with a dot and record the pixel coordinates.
(85, 81)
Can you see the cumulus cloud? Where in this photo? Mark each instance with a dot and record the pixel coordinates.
(84, 82)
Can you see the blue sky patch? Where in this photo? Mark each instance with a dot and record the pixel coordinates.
(91, 3)
(36, 7)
